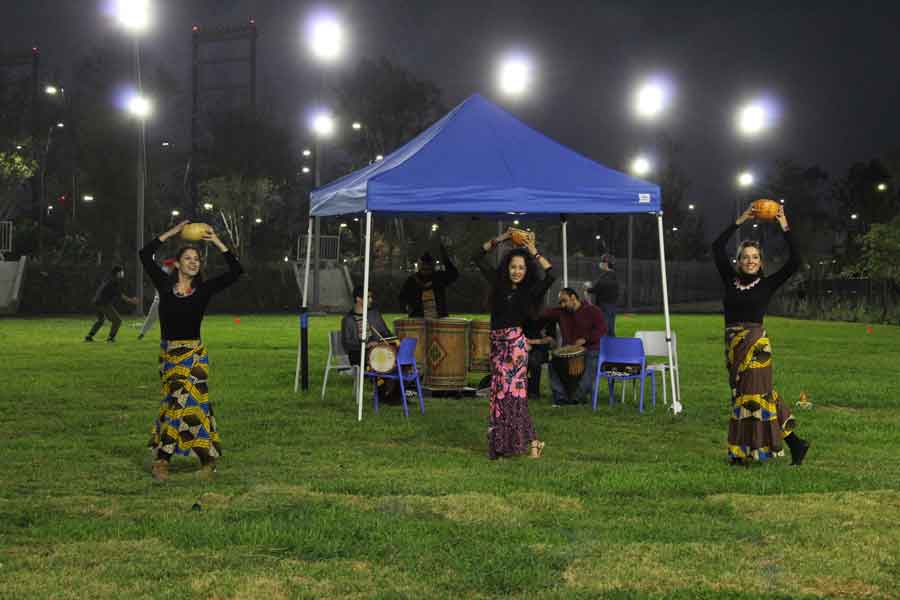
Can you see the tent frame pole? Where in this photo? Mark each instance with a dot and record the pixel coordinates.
(565, 250)
(360, 386)
(301, 350)
(676, 401)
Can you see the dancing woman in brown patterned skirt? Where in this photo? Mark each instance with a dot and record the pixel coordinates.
(516, 291)
(759, 419)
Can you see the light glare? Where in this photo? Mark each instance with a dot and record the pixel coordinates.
(326, 39)
(133, 15)
(753, 119)
(515, 76)
(641, 166)
(323, 125)
(746, 179)
(139, 106)
(651, 100)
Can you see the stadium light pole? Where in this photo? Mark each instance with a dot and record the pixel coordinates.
(134, 16)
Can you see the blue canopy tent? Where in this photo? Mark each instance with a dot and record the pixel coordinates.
(480, 160)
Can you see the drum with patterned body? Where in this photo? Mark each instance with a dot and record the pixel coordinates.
(480, 346)
(568, 362)
(447, 353)
(414, 328)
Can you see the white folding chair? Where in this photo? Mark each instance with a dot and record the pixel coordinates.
(337, 360)
(655, 345)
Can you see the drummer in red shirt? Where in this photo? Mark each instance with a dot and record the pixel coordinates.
(580, 324)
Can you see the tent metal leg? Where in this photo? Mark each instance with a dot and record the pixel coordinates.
(301, 351)
(676, 399)
(565, 252)
(365, 320)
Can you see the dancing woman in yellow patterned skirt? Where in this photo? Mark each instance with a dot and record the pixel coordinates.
(759, 419)
(185, 424)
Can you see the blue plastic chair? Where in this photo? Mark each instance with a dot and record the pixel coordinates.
(406, 357)
(627, 351)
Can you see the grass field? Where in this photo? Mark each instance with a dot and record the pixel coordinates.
(309, 503)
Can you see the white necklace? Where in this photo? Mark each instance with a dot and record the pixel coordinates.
(744, 288)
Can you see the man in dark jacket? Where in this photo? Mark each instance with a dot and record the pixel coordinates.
(108, 292)
(425, 293)
(606, 292)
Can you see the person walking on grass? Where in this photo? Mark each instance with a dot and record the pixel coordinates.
(516, 293)
(759, 419)
(109, 291)
(185, 423)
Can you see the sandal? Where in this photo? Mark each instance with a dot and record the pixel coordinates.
(160, 470)
(537, 448)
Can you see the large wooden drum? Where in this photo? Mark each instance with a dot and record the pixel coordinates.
(480, 346)
(414, 328)
(447, 354)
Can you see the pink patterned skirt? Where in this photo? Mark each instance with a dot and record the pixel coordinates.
(510, 430)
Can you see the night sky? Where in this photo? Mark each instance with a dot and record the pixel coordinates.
(832, 66)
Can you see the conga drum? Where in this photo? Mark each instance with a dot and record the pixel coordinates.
(480, 346)
(414, 328)
(568, 362)
(448, 353)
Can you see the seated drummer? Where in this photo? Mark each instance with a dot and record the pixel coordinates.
(580, 324)
(541, 336)
(424, 295)
(351, 334)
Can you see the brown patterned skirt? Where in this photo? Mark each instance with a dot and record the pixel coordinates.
(759, 419)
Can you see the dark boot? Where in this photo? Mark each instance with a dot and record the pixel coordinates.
(798, 448)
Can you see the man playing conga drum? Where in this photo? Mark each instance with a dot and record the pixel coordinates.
(351, 336)
(424, 294)
(581, 326)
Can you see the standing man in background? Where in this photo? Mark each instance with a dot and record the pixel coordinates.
(424, 294)
(606, 292)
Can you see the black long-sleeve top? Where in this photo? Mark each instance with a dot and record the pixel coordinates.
(511, 305)
(750, 304)
(411, 293)
(180, 317)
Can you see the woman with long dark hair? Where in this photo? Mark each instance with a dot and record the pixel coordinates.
(185, 424)
(516, 291)
(759, 419)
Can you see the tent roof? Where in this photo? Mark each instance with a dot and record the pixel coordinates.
(479, 159)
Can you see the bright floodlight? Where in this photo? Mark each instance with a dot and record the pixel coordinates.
(133, 15)
(379, 157)
(207, 206)
(515, 76)
(753, 119)
(139, 106)
(651, 100)
(881, 187)
(87, 198)
(306, 152)
(690, 207)
(323, 124)
(746, 179)
(641, 166)
(357, 125)
(258, 220)
(854, 216)
(51, 90)
(176, 212)
(326, 39)
(60, 124)
(305, 169)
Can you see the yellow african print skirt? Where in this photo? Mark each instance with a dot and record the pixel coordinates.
(185, 424)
